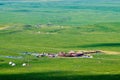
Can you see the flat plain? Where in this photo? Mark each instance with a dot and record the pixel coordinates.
(55, 26)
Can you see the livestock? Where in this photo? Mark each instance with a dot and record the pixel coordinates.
(13, 64)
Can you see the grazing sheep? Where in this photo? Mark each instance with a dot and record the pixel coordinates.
(13, 64)
(24, 64)
(10, 63)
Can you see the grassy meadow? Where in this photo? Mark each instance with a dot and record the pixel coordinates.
(54, 26)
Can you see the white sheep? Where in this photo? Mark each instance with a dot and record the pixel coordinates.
(13, 64)
(24, 64)
(10, 63)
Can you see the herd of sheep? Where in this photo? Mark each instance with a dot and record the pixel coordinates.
(83, 54)
(13, 64)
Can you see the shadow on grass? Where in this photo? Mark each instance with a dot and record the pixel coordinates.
(103, 45)
(57, 76)
(96, 45)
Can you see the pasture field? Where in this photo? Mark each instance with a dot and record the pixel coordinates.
(44, 38)
(62, 12)
(55, 26)
(101, 67)
(17, 39)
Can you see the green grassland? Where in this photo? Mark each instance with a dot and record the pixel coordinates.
(55, 26)
(80, 12)
(19, 38)
(100, 67)
(44, 38)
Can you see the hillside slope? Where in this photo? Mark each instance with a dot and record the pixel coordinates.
(52, 38)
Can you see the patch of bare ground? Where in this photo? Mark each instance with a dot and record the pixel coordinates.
(2, 28)
(111, 52)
